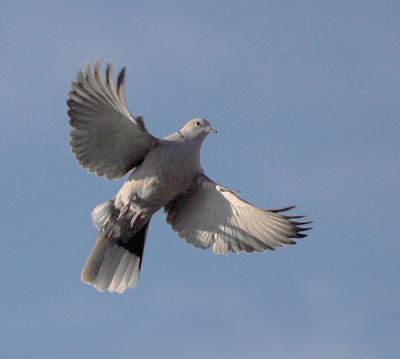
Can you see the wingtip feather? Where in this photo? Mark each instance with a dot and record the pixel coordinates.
(121, 78)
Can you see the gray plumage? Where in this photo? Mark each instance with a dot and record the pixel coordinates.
(166, 173)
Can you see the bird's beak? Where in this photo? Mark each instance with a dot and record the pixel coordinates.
(211, 129)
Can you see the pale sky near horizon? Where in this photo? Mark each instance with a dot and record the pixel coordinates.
(305, 95)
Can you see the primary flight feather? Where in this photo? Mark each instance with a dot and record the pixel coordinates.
(165, 173)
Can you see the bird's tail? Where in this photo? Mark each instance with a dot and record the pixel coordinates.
(115, 261)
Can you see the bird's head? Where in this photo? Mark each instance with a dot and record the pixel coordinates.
(197, 128)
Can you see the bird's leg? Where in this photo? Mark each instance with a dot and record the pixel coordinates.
(135, 219)
(124, 210)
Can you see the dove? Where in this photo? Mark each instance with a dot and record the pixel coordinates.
(165, 173)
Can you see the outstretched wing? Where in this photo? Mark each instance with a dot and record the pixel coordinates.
(209, 215)
(106, 138)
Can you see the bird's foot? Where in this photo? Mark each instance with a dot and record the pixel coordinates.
(109, 231)
(124, 210)
(135, 219)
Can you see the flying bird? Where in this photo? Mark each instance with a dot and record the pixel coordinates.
(164, 173)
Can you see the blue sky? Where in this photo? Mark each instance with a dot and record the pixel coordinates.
(305, 96)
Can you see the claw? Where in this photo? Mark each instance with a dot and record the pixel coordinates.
(109, 232)
(135, 219)
(123, 211)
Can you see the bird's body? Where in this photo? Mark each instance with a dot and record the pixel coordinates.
(166, 173)
(155, 182)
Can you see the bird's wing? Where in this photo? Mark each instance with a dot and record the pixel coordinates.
(209, 215)
(106, 138)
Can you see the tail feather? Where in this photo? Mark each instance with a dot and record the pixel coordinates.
(120, 272)
(108, 268)
(114, 263)
(134, 279)
(128, 274)
(94, 260)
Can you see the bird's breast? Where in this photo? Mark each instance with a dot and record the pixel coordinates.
(163, 175)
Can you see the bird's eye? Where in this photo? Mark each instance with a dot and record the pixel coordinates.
(198, 123)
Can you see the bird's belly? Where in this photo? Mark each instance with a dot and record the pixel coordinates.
(151, 190)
